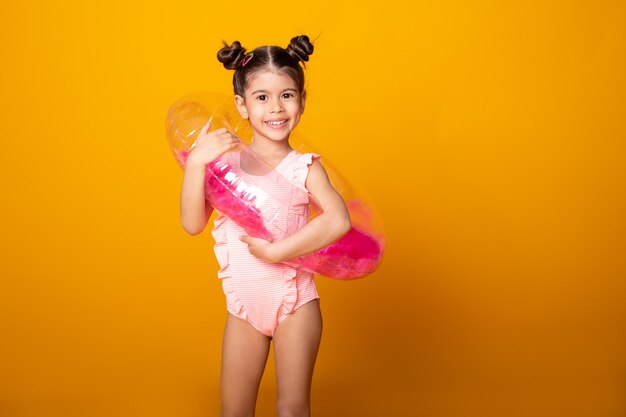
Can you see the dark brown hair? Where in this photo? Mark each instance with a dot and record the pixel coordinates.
(286, 60)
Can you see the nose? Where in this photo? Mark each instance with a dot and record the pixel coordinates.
(276, 106)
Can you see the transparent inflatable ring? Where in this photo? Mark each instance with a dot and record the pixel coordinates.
(246, 189)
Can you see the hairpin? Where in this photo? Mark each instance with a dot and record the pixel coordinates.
(247, 59)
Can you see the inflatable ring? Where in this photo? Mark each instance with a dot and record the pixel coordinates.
(236, 185)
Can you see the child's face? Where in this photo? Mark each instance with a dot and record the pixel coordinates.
(272, 105)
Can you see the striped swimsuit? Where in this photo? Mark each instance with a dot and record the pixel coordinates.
(261, 293)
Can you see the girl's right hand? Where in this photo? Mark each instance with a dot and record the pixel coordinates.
(211, 145)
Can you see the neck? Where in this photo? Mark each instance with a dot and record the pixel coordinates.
(265, 147)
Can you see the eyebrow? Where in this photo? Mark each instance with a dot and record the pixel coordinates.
(265, 91)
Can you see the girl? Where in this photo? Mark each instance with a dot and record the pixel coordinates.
(267, 300)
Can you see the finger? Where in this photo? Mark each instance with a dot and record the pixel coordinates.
(245, 239)
(229, 143)
(205, 128)
(228, 134)
(225, 147)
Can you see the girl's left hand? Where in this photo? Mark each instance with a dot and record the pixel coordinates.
(260, 248)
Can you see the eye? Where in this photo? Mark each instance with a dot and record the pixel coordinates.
(288, 95)
(262, 97)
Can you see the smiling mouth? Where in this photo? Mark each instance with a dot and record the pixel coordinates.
(276, 123)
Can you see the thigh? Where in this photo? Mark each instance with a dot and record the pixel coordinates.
(244, 355)
(296, 343)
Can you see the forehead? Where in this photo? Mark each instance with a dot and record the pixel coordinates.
(270, 80)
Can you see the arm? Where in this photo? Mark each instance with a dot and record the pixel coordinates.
(195, 211)
(328, 227)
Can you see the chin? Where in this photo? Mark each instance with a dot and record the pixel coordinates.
(278, 137)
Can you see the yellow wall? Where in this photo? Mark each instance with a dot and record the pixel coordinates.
(490, 136)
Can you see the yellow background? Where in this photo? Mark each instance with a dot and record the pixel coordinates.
(489, 135)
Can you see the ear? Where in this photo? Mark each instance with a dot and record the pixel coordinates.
(241, 106)
(302, 101)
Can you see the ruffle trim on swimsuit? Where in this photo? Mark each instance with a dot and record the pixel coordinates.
(301, 169)
(233, 304)
(290, 295)
(297, 218)
(221, 245)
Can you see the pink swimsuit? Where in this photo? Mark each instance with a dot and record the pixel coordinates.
(258, 292)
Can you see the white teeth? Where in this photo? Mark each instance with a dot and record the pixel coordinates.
(276, 123)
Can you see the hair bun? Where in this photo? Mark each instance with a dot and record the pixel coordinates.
(231, 56)
(300, 48)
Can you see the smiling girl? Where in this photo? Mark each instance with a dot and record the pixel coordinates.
(267, 301)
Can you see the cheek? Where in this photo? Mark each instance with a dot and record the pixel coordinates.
(255, 112)
(295, 108)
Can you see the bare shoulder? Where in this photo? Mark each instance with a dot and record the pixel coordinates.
(319, 186)
(317, 176)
